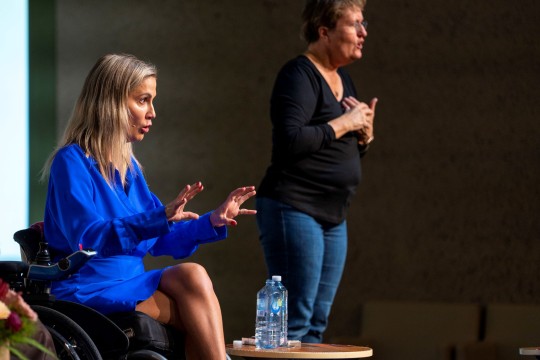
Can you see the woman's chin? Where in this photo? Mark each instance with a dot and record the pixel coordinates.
(137, 138)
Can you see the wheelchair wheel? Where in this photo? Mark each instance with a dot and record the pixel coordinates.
(70, 340)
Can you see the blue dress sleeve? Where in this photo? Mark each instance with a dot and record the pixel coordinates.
(194, 231)
(84, 212)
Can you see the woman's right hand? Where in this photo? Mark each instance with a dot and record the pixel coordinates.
(358, 117)
(365, 134)
(175, 209)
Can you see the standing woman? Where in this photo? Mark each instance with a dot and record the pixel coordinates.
(98, 198)
(320, 132)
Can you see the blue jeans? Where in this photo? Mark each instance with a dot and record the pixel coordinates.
(310, 257)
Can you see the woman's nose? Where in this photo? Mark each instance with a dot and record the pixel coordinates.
(152, 112)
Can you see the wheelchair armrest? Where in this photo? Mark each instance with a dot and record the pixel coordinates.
(62, 269)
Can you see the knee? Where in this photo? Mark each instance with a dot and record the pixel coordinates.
(191, 278)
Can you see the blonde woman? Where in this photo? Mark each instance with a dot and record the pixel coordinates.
(98, 198)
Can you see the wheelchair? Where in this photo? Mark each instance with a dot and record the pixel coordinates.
(80, 332)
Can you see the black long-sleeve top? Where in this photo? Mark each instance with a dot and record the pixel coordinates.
(310, 170)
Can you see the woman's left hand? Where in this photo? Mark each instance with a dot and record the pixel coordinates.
(226, 212)
(366, 134)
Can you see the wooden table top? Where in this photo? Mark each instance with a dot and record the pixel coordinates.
(529, 351)
(305, 351)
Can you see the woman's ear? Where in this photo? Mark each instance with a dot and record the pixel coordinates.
(323, 32)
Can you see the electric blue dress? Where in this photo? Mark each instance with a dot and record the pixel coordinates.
(122, 224)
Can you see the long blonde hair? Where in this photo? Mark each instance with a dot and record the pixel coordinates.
(100, 119)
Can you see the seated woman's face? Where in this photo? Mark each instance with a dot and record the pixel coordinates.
(141, 109)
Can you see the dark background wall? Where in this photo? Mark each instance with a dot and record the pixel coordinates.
(449, 206)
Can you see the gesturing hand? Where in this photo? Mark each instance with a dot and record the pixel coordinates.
(175, 209)
(226, 212)
(367, 114)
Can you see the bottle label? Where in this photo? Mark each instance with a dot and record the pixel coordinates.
(276, 306)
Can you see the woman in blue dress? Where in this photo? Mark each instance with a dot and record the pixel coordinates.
(98, 198)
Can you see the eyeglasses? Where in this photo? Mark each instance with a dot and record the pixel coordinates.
(358, 25)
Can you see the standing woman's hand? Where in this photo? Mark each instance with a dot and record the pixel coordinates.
(175, 209)
(365, 134)
(226, 212)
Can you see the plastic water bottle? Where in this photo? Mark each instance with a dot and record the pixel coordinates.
(269, 314)
(284, 309)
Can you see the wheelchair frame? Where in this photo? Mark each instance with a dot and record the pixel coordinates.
(80, 332)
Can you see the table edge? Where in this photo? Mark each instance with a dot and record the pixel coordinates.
(269, 354)
(529, 351)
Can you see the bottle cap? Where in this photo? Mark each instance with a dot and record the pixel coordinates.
(276, 277)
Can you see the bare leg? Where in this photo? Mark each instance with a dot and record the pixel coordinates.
(186, 300)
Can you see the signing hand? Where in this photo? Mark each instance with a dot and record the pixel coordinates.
(365, 133)
(226, 212)
(175, 209)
